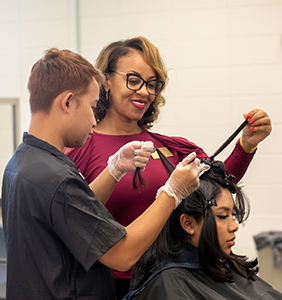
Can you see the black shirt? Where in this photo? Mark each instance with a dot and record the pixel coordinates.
(55, 228)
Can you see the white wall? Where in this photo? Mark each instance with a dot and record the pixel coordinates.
(225, 58)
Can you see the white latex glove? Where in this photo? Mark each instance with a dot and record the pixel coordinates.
(184, 180)
(129, 157)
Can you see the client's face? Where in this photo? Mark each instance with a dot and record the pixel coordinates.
(226, 225)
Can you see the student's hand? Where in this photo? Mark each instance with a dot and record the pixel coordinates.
(257, 130)
(184, 180)
(129, 157)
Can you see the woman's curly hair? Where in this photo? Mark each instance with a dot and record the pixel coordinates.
(107, 63)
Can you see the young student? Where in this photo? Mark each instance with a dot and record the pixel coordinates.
(129, 104)
(61, 241)
(192, 257)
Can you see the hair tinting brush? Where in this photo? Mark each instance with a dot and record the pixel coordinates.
(229, 140)
(169, 167)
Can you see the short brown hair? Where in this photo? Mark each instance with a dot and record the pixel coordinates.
(107, 62)
(58, 71)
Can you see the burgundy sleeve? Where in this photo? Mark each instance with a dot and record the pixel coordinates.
(238, 161)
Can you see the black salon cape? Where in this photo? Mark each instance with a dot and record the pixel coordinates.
(179, 281)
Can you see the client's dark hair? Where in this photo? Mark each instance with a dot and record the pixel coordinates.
(214, 261)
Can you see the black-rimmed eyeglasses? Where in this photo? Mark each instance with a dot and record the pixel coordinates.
(135, 82)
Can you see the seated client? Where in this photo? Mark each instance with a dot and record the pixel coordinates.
(192, 257)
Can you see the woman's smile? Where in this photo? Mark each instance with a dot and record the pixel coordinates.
(139, 104)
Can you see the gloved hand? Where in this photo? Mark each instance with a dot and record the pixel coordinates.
(129, 157)
(184, 180)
